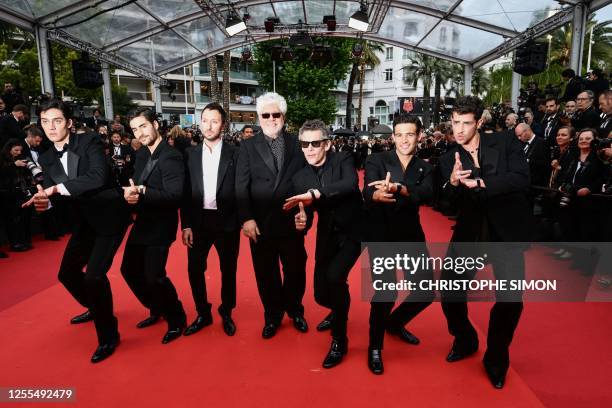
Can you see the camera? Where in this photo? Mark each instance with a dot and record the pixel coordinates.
(35, 169)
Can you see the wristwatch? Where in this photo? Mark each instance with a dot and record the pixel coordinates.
(141, 189)
(312, 193)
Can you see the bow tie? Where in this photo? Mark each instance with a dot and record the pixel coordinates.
(60, 153)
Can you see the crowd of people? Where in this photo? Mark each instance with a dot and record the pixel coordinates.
(553, 162)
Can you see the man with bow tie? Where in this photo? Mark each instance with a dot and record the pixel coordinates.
(551, 122)
(75, 170)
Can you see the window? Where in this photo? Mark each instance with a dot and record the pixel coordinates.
(408, 54)
(389, 54)
(389, 74)
(411, 29)
(381, 112)
(443, 37)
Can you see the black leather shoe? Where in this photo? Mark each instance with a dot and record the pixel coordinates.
(229, 327)
(326, 322)
(269, 331)
(104, 351)
(375, 362)
(497, 379)
(172, 334)
(337, 351)
(300, 324)
(198, 324)
(82, 318)
(455, 355)
(149, 321)
(404, 335)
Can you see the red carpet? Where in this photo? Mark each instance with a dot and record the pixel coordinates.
(561, 356)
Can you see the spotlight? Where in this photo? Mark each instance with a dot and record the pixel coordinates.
(300, 39)
(357, 50)
(246, 55)
(322, 54)
(331, 22)
(276, 52)
(234, 25)
(359, 20)
(270, 23)
(286, 54)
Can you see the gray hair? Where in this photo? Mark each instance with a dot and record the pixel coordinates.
(315, 124)
(271, 98)
(588, 92)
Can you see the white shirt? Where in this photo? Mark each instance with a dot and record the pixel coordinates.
(60, 187)
(33, 153)
(117, 150)
(210, 171)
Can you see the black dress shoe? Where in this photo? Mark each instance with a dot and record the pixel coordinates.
(149, 321)
(337, 351)
(300, 324)
(229, 327)
(172, 334)
(198, 324)
(455, 355)
(405, 335)
(82, 318)
(375, 362)
(104, 351)
(326, 322)
(497, 379)
(269, 331)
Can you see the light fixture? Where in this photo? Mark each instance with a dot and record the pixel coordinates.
(331, 22)
(359, 20)
(357, 50)
(234, 25)
(246, 55)
(321, 54)
(300, 39)
(287, 54)
(270, 23)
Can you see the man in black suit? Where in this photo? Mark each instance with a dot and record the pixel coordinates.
(159, 173)
(537, 154)
(550, 122)
(121, 159)
(586, 115)
(11, 125)
(330, 186)
(76, 170)
(209, 217)
(605, 105)
(487, 179)
(96, 120)
(574, 85)
(396, 184)
(266, 165)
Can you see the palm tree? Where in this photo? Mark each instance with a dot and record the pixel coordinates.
(227, 58)
(481, 81)
(214, 78)
(368, 57)
(426, 69)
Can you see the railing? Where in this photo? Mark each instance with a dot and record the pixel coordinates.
(140, 96)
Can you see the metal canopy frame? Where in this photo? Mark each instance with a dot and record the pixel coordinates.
(216, 11)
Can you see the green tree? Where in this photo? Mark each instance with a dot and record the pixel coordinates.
(214, 79)
(501, 84)
(305, 84)
(370, 58)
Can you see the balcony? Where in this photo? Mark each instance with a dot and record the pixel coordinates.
(140, 96)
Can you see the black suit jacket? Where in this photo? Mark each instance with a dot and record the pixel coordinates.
(94, 199)
(91, 122)
(590, 175)
(553, 124)
(397, 221)
(538, 156)
(163, 174)
(9, 129)
(605, 126)
(340, 207)
(586, 119)
(193, 195)
(260, 191)
(125, 150)
(503, 203)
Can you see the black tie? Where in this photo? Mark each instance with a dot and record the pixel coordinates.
(60, 153)
(276, 152)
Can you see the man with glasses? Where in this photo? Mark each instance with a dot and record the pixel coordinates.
(396, 184)
(586, 115)
(330, 186)
(266, 164)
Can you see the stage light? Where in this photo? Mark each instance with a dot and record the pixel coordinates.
(270, 23)
(286, 54)
(331, 22)
(234, 25)
(359, 20)
(300, 39)
(322, 54)
(357, 50)
(246, 55)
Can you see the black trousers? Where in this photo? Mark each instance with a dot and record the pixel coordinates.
(92, 288)
(504, 317)
(382, 315)
(144, 270)
(227, 245)
(331, 288)
(279, 294)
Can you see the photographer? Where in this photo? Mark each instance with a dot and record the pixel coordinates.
(16, 186)
(579, 219)
(120, 159)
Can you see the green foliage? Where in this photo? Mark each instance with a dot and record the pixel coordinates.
(306, 85)
(501, 85)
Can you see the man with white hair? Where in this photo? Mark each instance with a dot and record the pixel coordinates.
(266, 165)
(511, 121)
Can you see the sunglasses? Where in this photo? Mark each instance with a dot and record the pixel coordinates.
(304, 144)
(275, 115)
